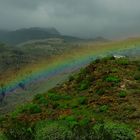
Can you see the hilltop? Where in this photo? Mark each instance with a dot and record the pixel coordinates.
(34, 33)
(23, 35)
(26, 34)
(101, 101)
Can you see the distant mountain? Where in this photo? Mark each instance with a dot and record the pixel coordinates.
(36, 33)
(99, 39)
(26, 34)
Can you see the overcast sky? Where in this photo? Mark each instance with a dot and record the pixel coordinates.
(84, 18)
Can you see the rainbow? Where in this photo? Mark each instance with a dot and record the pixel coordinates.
(69, 62)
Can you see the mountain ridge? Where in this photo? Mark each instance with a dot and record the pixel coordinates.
(14, 37)
(26, 34)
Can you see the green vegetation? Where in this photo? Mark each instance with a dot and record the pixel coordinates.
(123, 61)
(3, 137)
(103, 108)
(101, 102)
(52, 130)
(100, 91)
(30, 108)
(137, 75)
(112, 131)
(122, 94)
(111, 78)
(22, 61)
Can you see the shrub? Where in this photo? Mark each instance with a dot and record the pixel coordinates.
(113, 79)
(123, 61)
(114, 70)
(137, 76)
(27, 108)
(103, 108)
(71, 78)
(111, 131)
(30, 108)
(82, 100)
(96, 61)
(90, 78)
(70, 120)
(56, 97)
(100, 91)
(18, 130)
(81, 132)
(78, 102)
(63, 105)
(105, 59)
(84, 121)
(83, 71)
(83, 85)
(74, 104)
(2, 136)
(122, 94)
(55, 130)
(41, 99)
(79, 77)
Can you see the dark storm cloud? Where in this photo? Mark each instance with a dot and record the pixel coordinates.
(85, 18)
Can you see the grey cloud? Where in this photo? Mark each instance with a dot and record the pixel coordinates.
(84, 18)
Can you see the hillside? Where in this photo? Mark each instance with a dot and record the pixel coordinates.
(19, 36)
(34, 33)
(14, 59)
(99, 102)
(36, 66)
(22, 35)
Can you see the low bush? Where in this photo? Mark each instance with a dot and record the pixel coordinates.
(18, 130)
(112, 78)
(71, 78)
(2, 136)
(82, 100)
(123, 61)
(103, 108)
(137, 76)
(84, 122)
(122, 94)
(112, 131)
(53, 130)
(78, 102)
(83, 85)
(105, 59)
(56, 97)
(100, 91)
(31, 108)
(41, 99)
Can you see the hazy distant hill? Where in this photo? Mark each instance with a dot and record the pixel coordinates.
(36, 33)
(26, 34)
(98, 39)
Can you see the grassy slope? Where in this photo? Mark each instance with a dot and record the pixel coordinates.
(106, 90)
(29, 57)
(22, 60)
(14, 60)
